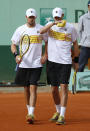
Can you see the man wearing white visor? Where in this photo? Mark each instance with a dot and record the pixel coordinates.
(30, 66)
(61, 35)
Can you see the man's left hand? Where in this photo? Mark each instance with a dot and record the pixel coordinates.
(43, 59)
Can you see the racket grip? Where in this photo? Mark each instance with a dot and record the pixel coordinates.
(19, 58)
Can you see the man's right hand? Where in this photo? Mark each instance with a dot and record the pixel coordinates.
(18, 59)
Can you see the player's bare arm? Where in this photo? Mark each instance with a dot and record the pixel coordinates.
(76, 55)
(45, 56)
(14, 51)
(46, 28)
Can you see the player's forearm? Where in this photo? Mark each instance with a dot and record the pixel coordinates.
(46, 28)
(45, 55)
(76, 49)
(13, 48)
(76, 55)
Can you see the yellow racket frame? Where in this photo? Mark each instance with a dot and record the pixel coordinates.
(27, 38)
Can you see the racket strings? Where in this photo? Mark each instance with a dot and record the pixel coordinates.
(24, 44)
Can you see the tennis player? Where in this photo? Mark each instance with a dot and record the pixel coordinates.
(30, 66)
(61, 35)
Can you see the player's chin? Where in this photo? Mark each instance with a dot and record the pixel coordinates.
(31, 23)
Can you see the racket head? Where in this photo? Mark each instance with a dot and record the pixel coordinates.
(24, 45)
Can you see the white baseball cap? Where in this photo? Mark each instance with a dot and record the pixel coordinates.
(31, 12)
(57, 12)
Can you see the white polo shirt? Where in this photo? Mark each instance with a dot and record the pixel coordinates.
(32, 58)
(59, 43)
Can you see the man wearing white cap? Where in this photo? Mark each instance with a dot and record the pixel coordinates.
(61, 35)
(30, 66)
(84, 34)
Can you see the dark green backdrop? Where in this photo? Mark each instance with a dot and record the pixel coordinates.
(7, 65)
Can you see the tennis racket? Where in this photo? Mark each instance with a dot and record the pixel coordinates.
(24, 45)
(74, 83)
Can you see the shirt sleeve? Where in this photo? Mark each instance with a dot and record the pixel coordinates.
(74, 35)
(16, 37)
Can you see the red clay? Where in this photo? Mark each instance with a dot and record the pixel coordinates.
(13, 112)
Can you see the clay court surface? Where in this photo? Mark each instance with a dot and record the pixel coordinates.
(13, 112)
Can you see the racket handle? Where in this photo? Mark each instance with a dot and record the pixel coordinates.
(19, 58)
